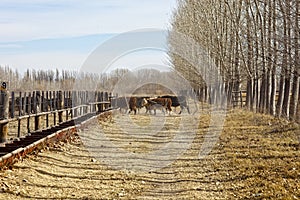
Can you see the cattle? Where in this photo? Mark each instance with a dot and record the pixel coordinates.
(159, 103)
(178, 101)
(132, 104)
(136, 103)
(141, 102)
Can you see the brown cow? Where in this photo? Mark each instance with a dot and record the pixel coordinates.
(179, 101)
(141, 102)
(132, 104)
(159, 103)
(136, 103)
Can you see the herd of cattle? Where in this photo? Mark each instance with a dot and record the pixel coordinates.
(26, 105)
(163, 103)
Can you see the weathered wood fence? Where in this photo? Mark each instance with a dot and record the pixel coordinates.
(36, 110)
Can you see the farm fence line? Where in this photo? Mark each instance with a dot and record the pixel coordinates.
(53, 107)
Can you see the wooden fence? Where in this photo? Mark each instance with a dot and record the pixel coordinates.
(37, 110)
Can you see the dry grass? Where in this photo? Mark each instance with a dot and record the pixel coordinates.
(255, 157)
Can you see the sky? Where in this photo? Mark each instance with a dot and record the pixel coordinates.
(49, 34)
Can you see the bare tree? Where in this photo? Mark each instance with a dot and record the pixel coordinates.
(253, 43)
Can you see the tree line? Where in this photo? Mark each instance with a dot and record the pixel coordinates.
(254, 45)
(121, 79)
(56, 79)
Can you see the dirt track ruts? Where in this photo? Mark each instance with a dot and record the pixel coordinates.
(256, 157)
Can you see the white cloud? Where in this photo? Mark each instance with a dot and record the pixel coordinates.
(32, 19)
(27, 20)
(43, 61)
(10, 46)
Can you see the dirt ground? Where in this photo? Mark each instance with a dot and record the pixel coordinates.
(255, 157)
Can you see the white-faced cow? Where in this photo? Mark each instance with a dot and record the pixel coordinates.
(141, 102)
(136, 103)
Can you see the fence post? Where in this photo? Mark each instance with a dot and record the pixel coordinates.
(106, 99)
(37, 122)
(241, 98)
(95, 100)
(35, 105)
(20, 104)
(110, 100)
(86, 101)
(28, 111)
(54, 108)
(75, 103)
(4, 114)
(20, 113)
(48, 105)
(69, 105)
(101, 100)
(29, 104)
(80, 100)
(65, 100)
(60, 101)
(12, 110)
(42, 102)
(24, 104)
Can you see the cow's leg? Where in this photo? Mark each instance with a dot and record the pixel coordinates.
(181, 109)
(147, 109)
(169, 110)
(188, 109)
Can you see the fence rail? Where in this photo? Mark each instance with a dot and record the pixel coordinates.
(43, 109)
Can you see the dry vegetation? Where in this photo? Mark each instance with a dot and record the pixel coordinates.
(251, 45)
(256, 157)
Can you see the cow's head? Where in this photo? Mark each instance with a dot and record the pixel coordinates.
(144, 102)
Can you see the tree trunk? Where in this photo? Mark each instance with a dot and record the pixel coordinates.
(287, 42)
(286, 99)
(262, 93)
(256, 94)
(272, 110)
(280, 97)
(249, 95)
(294, 97)
(296, 109)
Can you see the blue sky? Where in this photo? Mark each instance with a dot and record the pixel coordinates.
(45, 34)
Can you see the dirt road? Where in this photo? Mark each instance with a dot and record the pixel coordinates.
(255, 157)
